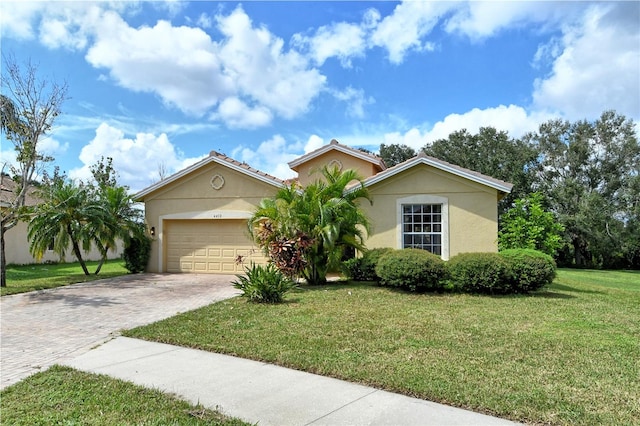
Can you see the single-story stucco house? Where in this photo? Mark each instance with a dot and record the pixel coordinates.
(198, 216)
(16, 241)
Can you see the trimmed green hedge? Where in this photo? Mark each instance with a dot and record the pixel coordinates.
(507, 272)
(364, 268)
(136, 253)
(413, 269)
(530, 269)
(487, 273)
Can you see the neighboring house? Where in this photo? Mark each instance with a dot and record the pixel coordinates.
(198, 216)
(17, 243)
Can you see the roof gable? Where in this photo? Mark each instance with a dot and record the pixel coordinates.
(422, 158)
(335, 146)
(214, 157)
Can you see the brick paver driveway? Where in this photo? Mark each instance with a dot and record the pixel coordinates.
(42, 328)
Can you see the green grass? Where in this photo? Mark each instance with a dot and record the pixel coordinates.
(567, 355)
(24, 278)
(61, 395)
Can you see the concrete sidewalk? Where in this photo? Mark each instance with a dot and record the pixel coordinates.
(263, 393)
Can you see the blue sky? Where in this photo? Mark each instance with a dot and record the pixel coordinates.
(161, 84)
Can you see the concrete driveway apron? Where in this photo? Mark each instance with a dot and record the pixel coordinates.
(42, 328)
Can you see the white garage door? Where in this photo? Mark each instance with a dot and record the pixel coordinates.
(209, 246)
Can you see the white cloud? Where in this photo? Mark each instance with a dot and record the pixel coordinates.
(513, 119)
(135, 159)
(153, 59)
(205, 21)
(413, 138)
(596, 67)
(314, 142)
(271, 156)
(405, 28)
(236, 114)
(69, 27)
(8, 160)
(248, 66)
(263, 71)
(52, 147)
(16, 19)
(478, 20)
(342, 40)
(356, 100)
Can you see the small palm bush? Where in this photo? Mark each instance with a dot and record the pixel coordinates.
(364, 268)
(413, 269)
(531, 269)
(263, 284)
(488, 273)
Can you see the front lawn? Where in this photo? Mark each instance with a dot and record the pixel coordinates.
(24, 278)
(61, 395)
(567, 355)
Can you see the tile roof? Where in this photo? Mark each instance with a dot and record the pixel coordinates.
(335, 145)
(7, 192)
(216, 157)
(422, 158)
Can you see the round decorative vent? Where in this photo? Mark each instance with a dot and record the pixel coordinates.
(335, 163)
(217, 182)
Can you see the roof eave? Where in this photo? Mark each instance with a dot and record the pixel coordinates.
(506, 187)
(158, 185)
(339, 147)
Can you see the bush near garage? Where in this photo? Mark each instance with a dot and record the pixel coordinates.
(263, 284)
(530, 269)
(412, 269)
(485, 273)
(136, 253)
(364, 268)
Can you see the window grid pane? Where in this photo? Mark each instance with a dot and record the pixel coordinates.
(422, 227)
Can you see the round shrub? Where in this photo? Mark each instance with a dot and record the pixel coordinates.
(136, 253)
(413, 269)
(488, 273)
(530, 269)
(364, 268)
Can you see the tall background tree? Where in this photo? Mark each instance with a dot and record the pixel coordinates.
(493, 153)
(122, 219)
(29, 107)
(395, 154)
(590, 173)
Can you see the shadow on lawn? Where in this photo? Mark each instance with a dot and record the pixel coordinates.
(564, 287)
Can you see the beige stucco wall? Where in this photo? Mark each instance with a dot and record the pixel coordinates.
(307, 172)
(17, 249)
(193, 197)
(472, 209)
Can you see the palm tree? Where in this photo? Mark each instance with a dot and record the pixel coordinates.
(325, 215)
(68, 217)
(121, 222)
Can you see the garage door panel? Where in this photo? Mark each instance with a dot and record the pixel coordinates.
(208, 246)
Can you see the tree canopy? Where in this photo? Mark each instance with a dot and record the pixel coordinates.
(493, 153)
(395, 154)
(590, 175)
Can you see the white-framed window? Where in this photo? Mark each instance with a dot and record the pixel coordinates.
(422, 227)
(423, 222)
